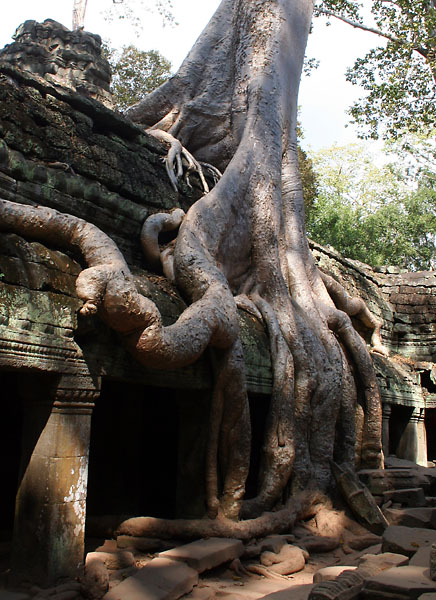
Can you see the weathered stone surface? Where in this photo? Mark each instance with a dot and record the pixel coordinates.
(383, 561)
(113, 560)
(412, 497)
(410, 517)
(433, 562)
(407, 540)
(379, 481)
(161, 579)
(345, 587)
(364, 541)
(96, 578)
(399, 583)
(206, 554)
(330, 573)
(421, 558)
(359, 499)
(5, 595)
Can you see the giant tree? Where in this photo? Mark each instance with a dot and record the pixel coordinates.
(233, 104)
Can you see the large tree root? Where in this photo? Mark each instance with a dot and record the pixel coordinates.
(303, 506)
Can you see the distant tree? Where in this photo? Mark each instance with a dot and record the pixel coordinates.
(399, 75)
(375, 214)
(309, 178)
(135, 73)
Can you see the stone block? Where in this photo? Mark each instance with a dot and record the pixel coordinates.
(114, 560)
(410, 517)
(203, 555)
(407, 540)
(330, 573)
(399, 583)
(382, 562)
(433, 562)
(379, 481)
(421, 558)
(429, 596)
(412, 497)
(160, 579)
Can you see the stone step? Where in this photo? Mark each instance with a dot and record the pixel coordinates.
(160, 579)
(206, 554)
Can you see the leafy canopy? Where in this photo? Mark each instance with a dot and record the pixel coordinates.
(135, 73)
(377, 214)
(399, 74)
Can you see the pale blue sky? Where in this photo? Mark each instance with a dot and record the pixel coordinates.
(324, 96)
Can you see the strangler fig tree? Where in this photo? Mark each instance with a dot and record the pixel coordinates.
(233, 104)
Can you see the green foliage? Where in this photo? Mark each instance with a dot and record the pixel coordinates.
(135, 73)
(375, 214)
(398, 76)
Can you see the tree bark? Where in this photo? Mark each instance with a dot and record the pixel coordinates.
(233, 103)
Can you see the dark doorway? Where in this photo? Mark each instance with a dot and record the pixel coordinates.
(133, 452)
(399, 419)
(430, 426)
(259, 408)
(10, 456)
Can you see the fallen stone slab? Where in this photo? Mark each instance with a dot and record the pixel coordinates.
(401, 583)
(429, 596)
(410, 517)
(379, 481)
(411, 497)
(119, 559)
(364, 541)
(382, 562)
(160, 579)
(421, 558)
(206, 554)
(407, 540)
(330, 573)
(393, 462)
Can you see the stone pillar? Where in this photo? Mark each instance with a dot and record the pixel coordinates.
(49, 526)
(386, 415)
(413, 443)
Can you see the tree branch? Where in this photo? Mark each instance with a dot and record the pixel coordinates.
(357, 25)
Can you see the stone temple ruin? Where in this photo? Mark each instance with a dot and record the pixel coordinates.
(90, 437)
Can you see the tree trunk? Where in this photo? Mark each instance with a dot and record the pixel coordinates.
(79, 10)
(233, 103)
